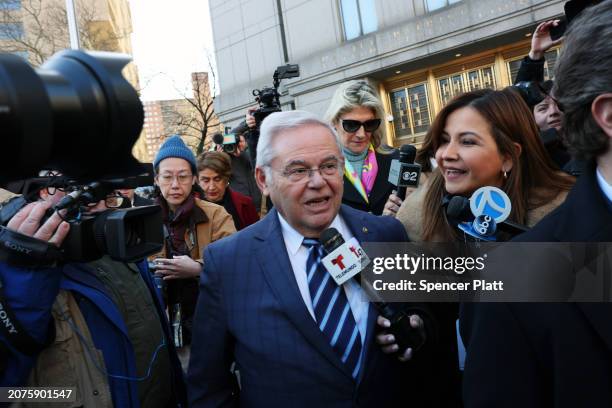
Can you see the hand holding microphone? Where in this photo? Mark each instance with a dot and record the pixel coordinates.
(405, 173)
(344, 261)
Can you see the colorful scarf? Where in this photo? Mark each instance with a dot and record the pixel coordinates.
(364, 184)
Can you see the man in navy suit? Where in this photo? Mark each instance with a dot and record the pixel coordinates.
(553, 354)
(297, 338)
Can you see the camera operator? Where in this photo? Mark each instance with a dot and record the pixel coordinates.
(214, 172)
(132, 199)
(242, 177)
(99, 326)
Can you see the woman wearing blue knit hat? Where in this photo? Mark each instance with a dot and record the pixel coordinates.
(190, 224)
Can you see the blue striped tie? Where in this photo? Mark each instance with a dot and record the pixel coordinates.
(332, 310)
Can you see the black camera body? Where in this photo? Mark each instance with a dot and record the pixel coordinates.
(268, 99)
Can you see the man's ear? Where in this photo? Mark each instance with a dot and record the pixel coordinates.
(601, 109)
(262, 182)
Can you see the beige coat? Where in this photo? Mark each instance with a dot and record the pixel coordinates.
(410, 213)
(219, 225)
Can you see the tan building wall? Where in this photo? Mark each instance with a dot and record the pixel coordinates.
(38, 28)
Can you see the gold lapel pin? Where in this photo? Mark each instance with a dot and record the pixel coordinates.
(365, 230)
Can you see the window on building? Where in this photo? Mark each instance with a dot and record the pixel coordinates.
(455, 84)
(359, 17)
(10, 31)
(438, 4)
(10, 4)
(411, 113)
(549, 65)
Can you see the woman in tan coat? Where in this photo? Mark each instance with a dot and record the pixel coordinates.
(481, 138)
(190, 224)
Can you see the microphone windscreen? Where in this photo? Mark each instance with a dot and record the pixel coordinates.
(459, 209)
(407, 153)
(331, 239)
(218, 138)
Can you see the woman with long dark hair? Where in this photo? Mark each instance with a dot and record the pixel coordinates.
(481, 138)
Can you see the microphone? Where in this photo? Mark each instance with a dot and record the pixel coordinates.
(343, 260)
(405, 172)
(350, 257)
(218, 138)
(470, 215)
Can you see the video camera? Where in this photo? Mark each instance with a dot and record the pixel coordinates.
(78, 116)
(268, 99)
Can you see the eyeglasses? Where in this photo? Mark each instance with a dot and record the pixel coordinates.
(352, 126)
(166, 179)
(298, 174)
(112, 200)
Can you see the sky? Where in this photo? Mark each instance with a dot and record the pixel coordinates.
(170, 40)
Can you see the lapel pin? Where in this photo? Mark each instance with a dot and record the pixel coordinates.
(365, 230)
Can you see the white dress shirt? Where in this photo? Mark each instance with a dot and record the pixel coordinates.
(298, 254)
(603, 184)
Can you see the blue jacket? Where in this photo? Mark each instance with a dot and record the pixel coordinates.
(250, 311)
(31, 294)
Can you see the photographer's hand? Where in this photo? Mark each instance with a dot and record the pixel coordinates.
(250, 119)
(541, 40)
(179, 267)
(27, 222)
(387, 341)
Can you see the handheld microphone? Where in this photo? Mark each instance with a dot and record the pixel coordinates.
(343, 260)
(340, 256)
(469, 214)
(218, 138)
(405, 172)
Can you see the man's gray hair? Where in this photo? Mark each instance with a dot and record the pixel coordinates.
(584, 71)
(279, 122)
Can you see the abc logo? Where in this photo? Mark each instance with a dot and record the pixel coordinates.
(491, 201)
(485, 225)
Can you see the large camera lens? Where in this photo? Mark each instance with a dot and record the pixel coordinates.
(76, 114)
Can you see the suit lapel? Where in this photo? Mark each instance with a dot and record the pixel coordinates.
(274, 261)
(587, 203)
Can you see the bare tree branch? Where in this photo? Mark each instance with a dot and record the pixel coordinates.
(201, 121)
(40, 28)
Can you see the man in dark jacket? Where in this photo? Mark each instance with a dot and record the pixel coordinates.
(97, 327)
(544, 355)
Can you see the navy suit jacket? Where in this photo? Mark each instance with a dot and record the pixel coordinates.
(545, 354)
(250, 311)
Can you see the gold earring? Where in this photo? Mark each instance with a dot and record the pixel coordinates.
(505, 174)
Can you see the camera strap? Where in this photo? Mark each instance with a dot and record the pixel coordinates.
(27, 252)
(16, 335)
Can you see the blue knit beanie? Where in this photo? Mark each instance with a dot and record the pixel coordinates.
(175, 147)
